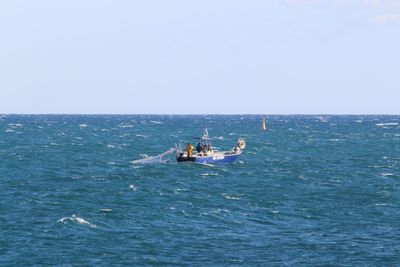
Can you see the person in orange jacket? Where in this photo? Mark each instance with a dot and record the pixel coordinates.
(189, 150)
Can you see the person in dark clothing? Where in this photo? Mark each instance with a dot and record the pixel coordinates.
(198, 148)
(204, 148)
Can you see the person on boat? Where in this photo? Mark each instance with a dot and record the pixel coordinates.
(204, 148)
(189, 150)
(198, 148)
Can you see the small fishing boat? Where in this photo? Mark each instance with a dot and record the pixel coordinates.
(205, 153)
(264, 124)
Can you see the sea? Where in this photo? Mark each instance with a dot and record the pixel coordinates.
(316, 190)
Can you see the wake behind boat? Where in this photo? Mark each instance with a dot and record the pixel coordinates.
(205, 153)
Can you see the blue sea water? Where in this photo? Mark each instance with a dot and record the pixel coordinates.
(309, 191)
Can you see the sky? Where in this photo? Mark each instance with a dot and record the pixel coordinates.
(200, 57)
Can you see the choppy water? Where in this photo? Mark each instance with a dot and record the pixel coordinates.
(312, 190)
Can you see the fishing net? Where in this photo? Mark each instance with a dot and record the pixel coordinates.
(160, 158)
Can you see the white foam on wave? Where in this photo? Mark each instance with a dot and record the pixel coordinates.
(322, 118)
(206, 164)
(124, 125)
(156, 122)
(135, 166)
(387, 124)
(150, 259)
(106, 210)
(387, 174)
(15, 125)
(209, 174)
(110, 146)
(182, 189)
(142, 135)
(133, 187)
(230, 197)
(9, 131)
(218, 211)
(83, 125)
(76, 219)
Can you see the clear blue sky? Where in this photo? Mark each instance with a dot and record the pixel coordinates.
(209, 56)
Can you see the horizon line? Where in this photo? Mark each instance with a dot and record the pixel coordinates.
(205, 114)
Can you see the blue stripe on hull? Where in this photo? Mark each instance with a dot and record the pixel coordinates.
(225, 159)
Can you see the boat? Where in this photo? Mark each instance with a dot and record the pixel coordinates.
(264, 124)
(205, 153)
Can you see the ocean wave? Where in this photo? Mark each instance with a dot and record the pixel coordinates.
(123, 125)
(142, 135)
(182, 189)
(15, 125)
(124, 135)
(106, 210)
(76, 219)
(133, 187)
(322, 118)
(387, 124)
(218, 211)
(230, 197)
(206, 164)
(209, 174)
